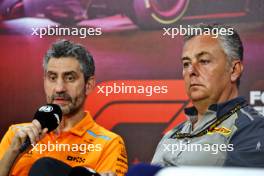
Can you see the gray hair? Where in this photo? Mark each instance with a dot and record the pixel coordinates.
(65, 48)
(229, 41)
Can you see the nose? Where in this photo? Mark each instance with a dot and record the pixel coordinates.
(193, 70)
(60, 86)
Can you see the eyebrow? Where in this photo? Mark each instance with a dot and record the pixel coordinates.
(50, 72)
(196, 56)
(201, 54)
(70, 73)
(186, 58)
(64, 73)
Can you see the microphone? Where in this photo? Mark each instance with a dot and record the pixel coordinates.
(83, 171)
(49, 116)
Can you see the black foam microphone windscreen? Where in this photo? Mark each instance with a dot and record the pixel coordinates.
(49, 116)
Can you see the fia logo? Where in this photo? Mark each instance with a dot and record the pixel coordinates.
(46, 108)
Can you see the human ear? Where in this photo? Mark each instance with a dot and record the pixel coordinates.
(90, 85)
(237, 69)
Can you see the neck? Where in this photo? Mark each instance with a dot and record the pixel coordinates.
(203, 105)
(68, 121)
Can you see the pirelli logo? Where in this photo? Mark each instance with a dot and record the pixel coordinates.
(221, 130)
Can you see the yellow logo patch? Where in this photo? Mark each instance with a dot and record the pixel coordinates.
(221, 130)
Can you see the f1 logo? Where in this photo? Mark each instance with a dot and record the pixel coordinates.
(137, 109)
(110, 111)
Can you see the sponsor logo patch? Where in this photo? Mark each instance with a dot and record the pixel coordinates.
(221, 130)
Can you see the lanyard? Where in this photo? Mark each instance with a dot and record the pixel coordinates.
(210, 128)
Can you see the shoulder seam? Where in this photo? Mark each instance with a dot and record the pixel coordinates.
(247, 114)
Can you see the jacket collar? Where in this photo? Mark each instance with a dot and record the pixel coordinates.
(220, 109)
(81, 127)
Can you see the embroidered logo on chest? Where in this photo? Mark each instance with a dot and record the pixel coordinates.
(221, 130)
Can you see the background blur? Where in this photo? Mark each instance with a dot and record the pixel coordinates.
(131, 50)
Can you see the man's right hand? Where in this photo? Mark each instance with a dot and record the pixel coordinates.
(32, 130)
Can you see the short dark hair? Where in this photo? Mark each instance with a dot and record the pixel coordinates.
(66, 48)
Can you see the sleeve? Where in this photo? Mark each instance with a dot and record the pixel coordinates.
(114, 158)
(248, 146)
(6, 141)
(160, 151)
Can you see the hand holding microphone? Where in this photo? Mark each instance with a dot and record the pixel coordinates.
(46, 119)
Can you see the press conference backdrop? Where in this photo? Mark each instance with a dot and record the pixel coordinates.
(131, 48)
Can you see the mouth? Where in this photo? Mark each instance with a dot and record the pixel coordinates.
(195, 85)
(60, 101)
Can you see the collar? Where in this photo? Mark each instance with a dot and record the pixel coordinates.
(81, 127)
(220, 109)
